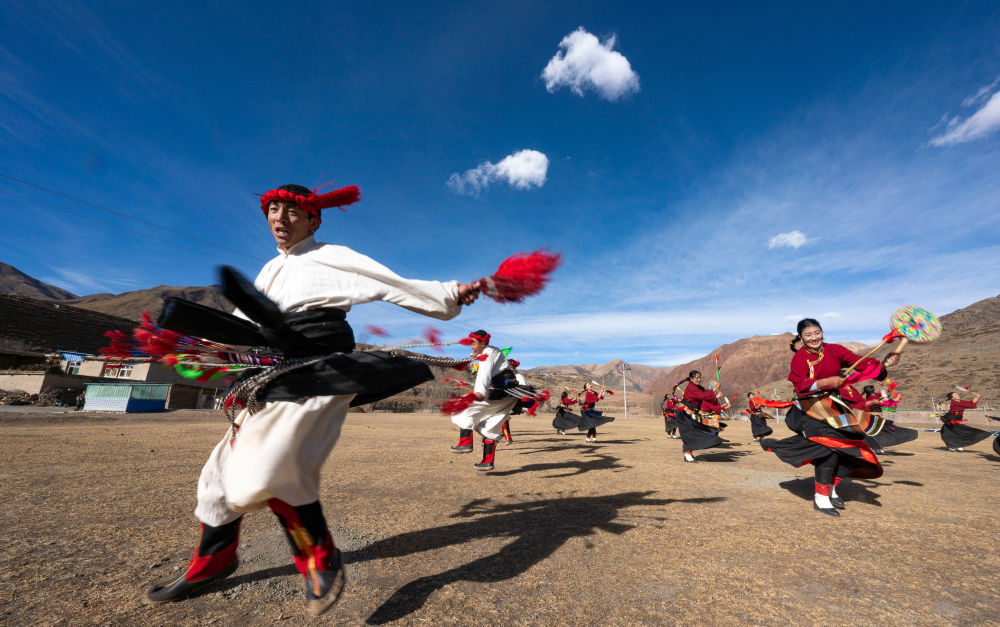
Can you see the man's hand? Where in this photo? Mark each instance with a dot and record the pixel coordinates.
(479, 396)
(891, 359)
(468, 293)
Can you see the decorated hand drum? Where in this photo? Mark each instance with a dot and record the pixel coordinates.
(915, 324)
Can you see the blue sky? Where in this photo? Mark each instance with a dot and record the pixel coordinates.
(708, 172)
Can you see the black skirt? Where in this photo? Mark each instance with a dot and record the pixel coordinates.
(370, 376)
(758, 426)
(893, 435)
(591, 419)
(958, 435)
(669, 422)
(565, 419)
(815, 440)
(694, 435)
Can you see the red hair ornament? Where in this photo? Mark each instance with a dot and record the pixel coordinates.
(313, 203)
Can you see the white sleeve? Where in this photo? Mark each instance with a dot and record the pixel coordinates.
(485, 374)
(373, 281)
(520, 378)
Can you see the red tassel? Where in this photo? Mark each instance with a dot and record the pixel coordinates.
(337, 198)
(433, 336)
(374, 330)
(466, 341)
(482, 357)
(456, 404)
(519, 276)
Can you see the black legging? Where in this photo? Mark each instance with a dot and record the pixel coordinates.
(829, 467)
(592, 432)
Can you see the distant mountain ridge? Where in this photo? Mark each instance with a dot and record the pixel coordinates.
(13, 282)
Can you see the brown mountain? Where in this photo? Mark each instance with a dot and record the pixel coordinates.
(16, 283)
(607, 374)
(131, 304)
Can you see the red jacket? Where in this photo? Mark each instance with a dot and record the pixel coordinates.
(958, 408)
(701, 398)
(834, 358)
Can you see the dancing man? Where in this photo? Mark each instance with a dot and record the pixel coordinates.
(491, 405)
(272, 457)
(519, 405)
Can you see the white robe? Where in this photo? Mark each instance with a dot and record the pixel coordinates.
(279, 451)
(486, 416)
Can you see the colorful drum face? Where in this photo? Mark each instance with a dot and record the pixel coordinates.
(916, 324)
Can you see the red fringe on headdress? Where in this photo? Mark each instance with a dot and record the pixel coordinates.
(520, 276)
(456, 404)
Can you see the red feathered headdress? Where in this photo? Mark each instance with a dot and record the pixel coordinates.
(313, 203)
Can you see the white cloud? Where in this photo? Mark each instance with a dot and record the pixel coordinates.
(981, 94)
(792, 239)
(978, 125)
(584, 62)
(522, 170)
(830, 315)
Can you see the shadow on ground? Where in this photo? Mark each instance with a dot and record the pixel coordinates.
(859, 490)
(537, 529)
(728, 456)
(573, 467)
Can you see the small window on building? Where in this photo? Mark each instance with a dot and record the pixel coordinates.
(73, 367)
(125, 371)
(111, 370)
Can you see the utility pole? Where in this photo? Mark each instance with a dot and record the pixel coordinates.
(623, 368)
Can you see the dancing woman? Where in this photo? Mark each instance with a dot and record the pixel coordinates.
(758, 420)
(836, 453)
(956, 435)
(565, 419)
(891, 434)
(669, 408)
(695, 434)
(590, 417)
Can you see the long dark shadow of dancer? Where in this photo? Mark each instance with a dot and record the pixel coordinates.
(538, 529)
(859, 490)
(574, 467)
(569, 446)
(727, 456)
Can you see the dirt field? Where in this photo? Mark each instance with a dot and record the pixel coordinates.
(96, 506)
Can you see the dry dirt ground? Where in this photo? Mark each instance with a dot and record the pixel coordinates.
(96, 506)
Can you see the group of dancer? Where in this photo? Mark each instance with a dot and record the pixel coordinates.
(836, 429)
(287, 417)
(588, 419)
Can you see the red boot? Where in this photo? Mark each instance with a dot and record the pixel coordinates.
(313, 552)
(464, 442)
(489, 450)
(214, 559)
